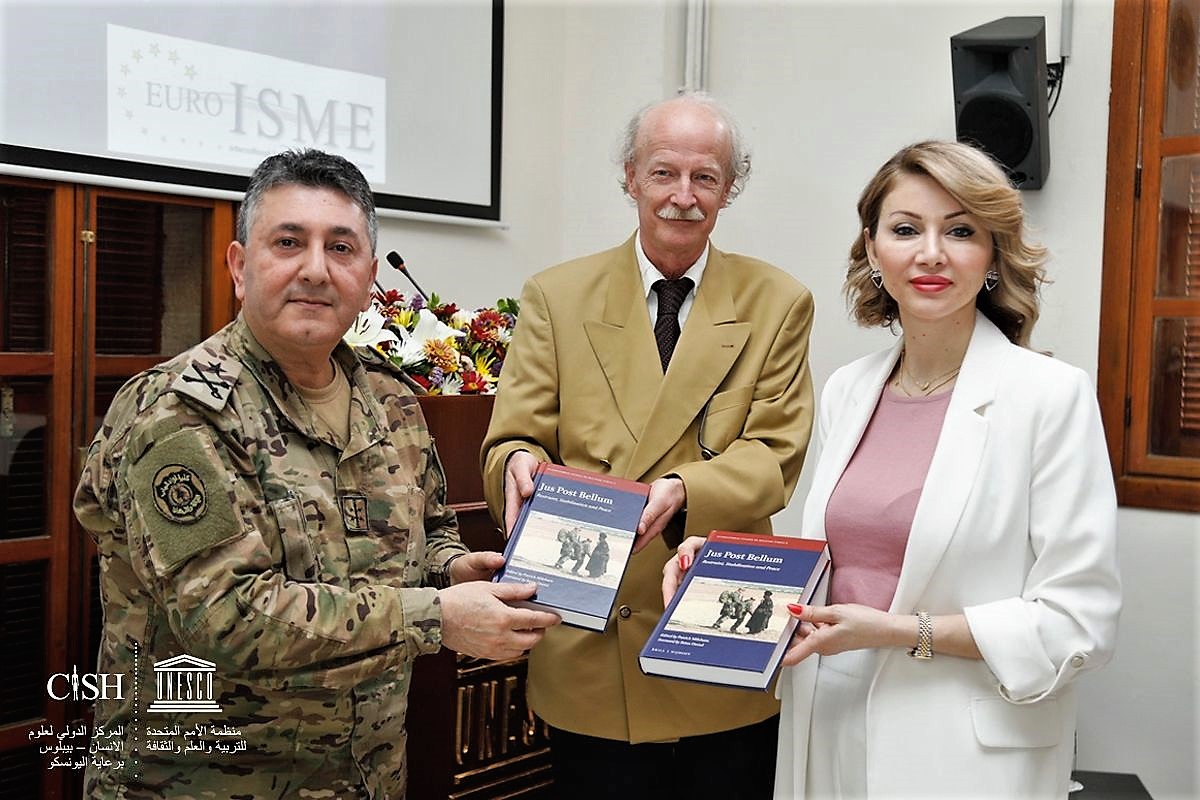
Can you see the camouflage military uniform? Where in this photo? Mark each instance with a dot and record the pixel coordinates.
(231, 528)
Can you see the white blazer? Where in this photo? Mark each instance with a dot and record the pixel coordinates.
(1016, 529)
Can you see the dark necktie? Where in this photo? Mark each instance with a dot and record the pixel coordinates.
(666, 326)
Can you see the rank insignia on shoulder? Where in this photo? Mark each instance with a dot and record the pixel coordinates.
(209, 382)
(179, 494)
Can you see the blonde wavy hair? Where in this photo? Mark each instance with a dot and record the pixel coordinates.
(974, 180)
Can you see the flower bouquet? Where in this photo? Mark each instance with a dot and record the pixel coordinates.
(443, 348)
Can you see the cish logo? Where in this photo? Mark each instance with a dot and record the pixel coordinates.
(85, 686)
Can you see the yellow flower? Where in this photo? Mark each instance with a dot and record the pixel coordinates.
(442, 354)
(483, 366)
(415, 344)
(404, 318)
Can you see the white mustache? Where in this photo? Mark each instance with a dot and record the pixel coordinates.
(673, 212)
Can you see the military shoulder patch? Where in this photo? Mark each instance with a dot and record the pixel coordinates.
(179, 494)
(182, 498)
(208, 380)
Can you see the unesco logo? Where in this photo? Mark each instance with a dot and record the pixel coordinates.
(184, 684)
(85, 686)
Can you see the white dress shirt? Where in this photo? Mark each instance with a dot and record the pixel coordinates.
(650, 274)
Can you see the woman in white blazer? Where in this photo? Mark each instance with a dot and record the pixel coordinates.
(964, 486)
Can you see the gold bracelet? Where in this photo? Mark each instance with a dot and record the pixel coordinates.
(924, 648)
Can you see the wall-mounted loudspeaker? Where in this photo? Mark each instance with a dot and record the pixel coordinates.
(1000, 95)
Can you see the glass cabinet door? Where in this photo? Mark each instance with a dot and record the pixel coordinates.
(1160, 429)
(153, 272)
(151, 259)
(1173, 418)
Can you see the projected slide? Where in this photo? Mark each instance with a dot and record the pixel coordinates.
(178, 99)
(196, 94)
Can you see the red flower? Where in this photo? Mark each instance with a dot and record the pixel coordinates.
(485, 327)
(445, 311)
(490, 316)
(472, 383)
(390, 303)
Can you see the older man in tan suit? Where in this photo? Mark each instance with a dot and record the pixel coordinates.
(667, 361)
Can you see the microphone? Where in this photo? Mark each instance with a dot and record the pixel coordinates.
(397, 263)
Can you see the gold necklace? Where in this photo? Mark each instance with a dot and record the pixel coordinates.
(925, 387)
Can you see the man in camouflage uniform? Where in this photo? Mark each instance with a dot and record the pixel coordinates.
(268, 503)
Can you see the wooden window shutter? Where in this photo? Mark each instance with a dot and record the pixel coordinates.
(24, 231)
(129, 251)
(22, 629)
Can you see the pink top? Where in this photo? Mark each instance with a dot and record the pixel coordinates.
(870, 511)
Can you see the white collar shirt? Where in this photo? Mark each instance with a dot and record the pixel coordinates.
(650, 274)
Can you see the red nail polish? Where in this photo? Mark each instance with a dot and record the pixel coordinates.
(685, 562)
(795, 608)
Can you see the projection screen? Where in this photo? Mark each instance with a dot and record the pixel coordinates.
(195, 94)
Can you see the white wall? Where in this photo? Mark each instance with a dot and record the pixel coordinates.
(825, 92)
(473, 266)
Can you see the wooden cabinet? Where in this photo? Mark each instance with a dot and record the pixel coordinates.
(95, 285)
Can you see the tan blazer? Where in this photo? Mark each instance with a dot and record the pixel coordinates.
(582, 386)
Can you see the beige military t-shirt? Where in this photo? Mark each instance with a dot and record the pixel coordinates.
(331, 404)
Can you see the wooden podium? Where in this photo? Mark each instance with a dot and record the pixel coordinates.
(470, 734)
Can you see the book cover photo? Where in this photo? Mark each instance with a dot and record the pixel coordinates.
(728, 624)
(573, 538)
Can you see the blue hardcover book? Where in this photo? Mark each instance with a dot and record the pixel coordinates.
(573, 538)
(728, 624)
